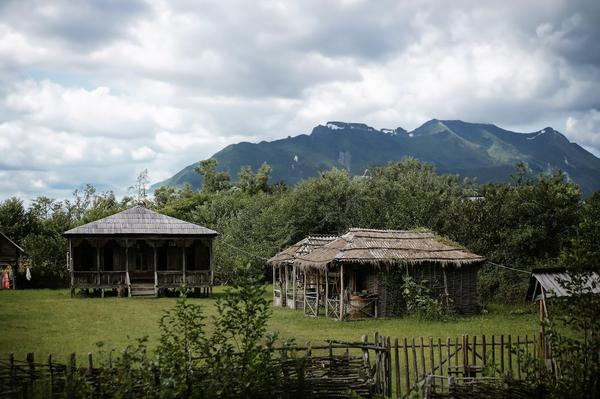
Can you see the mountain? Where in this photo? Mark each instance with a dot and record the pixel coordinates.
(484, 151)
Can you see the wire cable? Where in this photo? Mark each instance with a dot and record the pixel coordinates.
(509, 268)
(244, 251)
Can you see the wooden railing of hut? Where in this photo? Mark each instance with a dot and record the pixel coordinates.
(377, 365)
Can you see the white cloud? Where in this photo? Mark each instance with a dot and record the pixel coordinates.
(99, 91)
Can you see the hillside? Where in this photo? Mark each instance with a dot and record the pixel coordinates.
(484, 151)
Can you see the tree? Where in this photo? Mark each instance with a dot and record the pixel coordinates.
(139, 189)
(213, 181)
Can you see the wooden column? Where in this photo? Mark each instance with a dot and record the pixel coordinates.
(341, 292)
(285, 276)
(97, 262)
(326, 294)
(304, 291)
(212, 268)
(71, 268)
(273, 267)
(127, 280)
(155, 272)
(294, 287)
(183, 262)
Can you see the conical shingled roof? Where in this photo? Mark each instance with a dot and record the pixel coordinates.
(141, 221)
(374, 247)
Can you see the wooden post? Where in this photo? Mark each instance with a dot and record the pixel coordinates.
(484, 354)
(388, 345)
(510, 365)
(414, 356)
(494, 353)
(294, 287)
(127, 279)
(518, 350)
(448, 353)
(285, 276)
(155, 272)
(51, 375)
(326, 293)
(365, 351)
(212, 265)
(342, 291)
(317, 289)
(70, 260)
(465, 354)
(407, 363)
(423, 368)
(502, 354)
(90, 368)
(432, 357)
(273, 267)
(98, 262)
(440, 365)
(474, 350)
(183, 263)
(303, 291)
(397, 369)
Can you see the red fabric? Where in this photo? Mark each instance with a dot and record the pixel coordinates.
(5, 281)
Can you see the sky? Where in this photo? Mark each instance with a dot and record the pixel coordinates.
(96, 91)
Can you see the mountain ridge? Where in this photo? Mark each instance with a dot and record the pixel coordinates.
(480, 150)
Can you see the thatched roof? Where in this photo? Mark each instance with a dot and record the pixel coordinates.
(140, 221)
(299, 249)
(375, 247)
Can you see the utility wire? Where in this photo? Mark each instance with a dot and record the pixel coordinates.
(509, 268)
(244, 251)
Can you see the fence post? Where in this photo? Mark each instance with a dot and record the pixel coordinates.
(388, 345)
(11, 362)
(51, 374)
(397, 366)
(484, 354)
(474, 350)
(494, 353)
(90, 364)
(423, 357)
(365, 351)
(31, 366)
(407, 365)
(510, 365)
(415, 365)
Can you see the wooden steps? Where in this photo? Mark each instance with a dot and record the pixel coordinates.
(142, 290)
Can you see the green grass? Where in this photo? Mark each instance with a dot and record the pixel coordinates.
(49, 321)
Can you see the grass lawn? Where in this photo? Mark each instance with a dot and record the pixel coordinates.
(49, 321)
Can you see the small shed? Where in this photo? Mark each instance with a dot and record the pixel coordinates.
(10, 253)
(553, 283)
(141, 252)
(359, 274)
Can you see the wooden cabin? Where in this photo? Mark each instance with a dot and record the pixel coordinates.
(139, 252)
(359, 274)
(10, 253)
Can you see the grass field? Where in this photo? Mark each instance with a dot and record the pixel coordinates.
(49, 321)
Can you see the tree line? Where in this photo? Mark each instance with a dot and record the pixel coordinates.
(531, 222)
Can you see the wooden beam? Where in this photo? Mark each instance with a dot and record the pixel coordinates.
(294, 287)
(304, 291)
(155, 272)
(273, 267)
(285, 276)
(128, 281)
(317, 289)
(342, 291)
(183, 263)
(71, 267)
(326, 294)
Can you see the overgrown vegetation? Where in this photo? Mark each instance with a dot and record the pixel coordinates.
(234, 359)
(530, 222)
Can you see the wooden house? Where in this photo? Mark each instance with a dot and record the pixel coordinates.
(10, 253)
(140, 252)
(359, 274)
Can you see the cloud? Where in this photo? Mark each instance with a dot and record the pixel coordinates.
(96, 91)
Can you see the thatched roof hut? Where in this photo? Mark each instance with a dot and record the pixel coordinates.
(359, 274)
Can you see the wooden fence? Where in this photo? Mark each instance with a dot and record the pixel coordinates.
(392, 367)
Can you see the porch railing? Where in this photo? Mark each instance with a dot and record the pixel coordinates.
(193, 278)
(94, 278)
